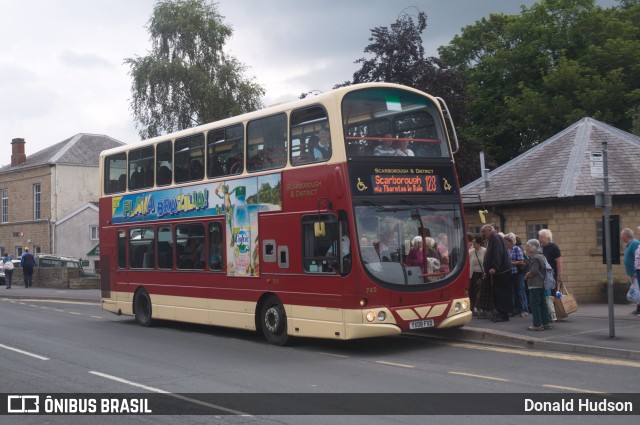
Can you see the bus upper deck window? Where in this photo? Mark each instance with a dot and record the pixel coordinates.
(310, 136)
(164, 163)
(189, 158)
(115, 173)
(267, 143)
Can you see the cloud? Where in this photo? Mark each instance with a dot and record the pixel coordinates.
(83, 60)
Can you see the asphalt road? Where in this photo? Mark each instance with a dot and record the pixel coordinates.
(66, 347)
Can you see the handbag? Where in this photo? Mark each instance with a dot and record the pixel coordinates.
(8, 265)
(566, 304)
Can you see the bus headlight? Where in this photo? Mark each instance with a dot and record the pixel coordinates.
(465, 305)
(371, 316)
(382, 316)
(457, 307)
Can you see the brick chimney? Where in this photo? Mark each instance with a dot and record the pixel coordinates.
(17, 152)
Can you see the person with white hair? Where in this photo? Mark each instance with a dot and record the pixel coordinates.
(626, 236)
(552, 253)
(416, 256)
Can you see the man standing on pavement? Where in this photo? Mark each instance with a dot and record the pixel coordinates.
(626, 236)
(497, 262)
(27, 261)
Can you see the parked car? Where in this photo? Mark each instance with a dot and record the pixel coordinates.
(49, 260)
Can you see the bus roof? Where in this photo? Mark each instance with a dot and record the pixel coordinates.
(335, 95)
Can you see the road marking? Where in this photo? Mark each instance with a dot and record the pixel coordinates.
(396, 364)
(548, 355)
(492, 378)
(578, 390)
(334, 355)
(26, 353)
(77, 314)
(41, 300)
(159, 391)
(97, 317)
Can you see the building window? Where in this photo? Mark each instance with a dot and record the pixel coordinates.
(36, 201)
(599, 234)
(94, 233)
(533, 228)
(474, 230)
(18, 251)
(5, 205)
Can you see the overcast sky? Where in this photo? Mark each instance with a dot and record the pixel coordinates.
(62, 71)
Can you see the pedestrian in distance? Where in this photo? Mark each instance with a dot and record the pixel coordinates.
(519, 298)
(497, 263)
(535, 278)
(27, 262)
(7, 265)
(476, 257)
(626, 236)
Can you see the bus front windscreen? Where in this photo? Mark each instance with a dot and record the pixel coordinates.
(410, 244)
(394, 123)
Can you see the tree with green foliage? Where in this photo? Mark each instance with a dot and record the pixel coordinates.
(534, 74)
(398, 56)
(187, 79)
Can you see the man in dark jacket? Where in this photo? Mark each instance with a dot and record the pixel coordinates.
(27, 261)
(497, 262)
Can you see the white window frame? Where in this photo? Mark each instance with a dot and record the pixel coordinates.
(94, 233)
(37, 197)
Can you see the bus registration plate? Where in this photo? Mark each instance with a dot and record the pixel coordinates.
(420, 324)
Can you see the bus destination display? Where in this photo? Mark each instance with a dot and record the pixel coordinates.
(403, 183)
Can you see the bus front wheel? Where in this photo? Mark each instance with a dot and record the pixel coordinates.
(274, 321)
(142, 308)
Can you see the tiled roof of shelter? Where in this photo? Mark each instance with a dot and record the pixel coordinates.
(560, 167)
(81, 149)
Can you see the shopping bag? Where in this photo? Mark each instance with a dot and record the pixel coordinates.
(551, 308)
(564, 303)
(633, 296)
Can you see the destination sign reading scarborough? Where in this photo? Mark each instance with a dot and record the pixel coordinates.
(383, 181)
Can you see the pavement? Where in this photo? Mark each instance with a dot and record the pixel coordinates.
(587, 331)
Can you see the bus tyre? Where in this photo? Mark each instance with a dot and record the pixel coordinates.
(274, 321)
(142, 308)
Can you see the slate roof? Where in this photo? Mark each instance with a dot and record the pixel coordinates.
(560, 167)
(82, 149)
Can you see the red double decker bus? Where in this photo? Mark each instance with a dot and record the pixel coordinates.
(302, 219)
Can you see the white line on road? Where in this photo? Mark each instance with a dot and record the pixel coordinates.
(77, 314)
(97, 317)
(578, 390)
(492, 378)
(408, 366)
(26, 353)
(159, 391)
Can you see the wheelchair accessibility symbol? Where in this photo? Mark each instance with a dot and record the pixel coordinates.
(361, 186)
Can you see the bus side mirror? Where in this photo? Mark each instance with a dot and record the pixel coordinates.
(319, 229)
(482, 213)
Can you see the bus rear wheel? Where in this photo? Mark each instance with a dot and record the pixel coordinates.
(142, 308)
(273, 320)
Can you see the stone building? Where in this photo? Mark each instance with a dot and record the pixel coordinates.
(553, 186)
(39, 189)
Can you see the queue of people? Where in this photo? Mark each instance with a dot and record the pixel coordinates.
(507, 279)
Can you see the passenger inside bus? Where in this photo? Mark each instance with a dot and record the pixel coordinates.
(322, 149)
(386, 147)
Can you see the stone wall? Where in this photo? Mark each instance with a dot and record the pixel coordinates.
(574, 230)
(57, 277)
